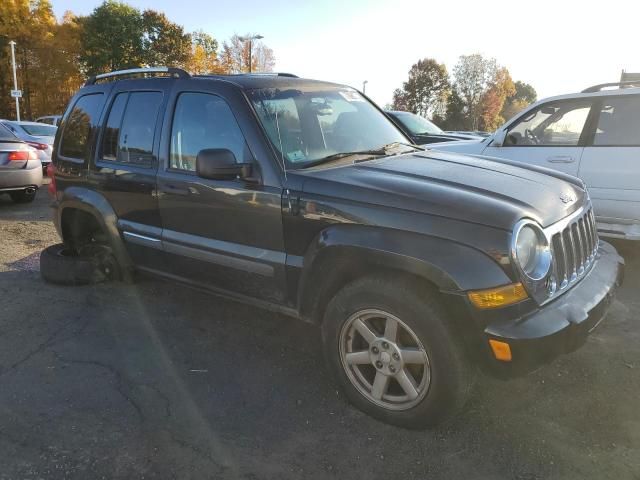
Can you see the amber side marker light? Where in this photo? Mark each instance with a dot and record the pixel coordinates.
(498, 297)
(501, 350)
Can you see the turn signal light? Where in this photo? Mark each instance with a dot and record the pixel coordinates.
(498, 297)
(501, 350)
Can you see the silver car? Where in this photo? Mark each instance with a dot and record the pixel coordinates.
(20, 169)
(38, 135)
(50, 120)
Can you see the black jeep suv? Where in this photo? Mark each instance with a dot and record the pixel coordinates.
(302, 196)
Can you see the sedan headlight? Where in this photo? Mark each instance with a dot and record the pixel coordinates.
(531, 251)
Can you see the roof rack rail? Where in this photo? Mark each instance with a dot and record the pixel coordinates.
(597, 88)
(174, 72)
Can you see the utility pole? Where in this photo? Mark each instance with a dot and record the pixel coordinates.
(364, 86)
(15, 79)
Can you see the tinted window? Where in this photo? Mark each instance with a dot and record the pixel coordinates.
(135, 143)
(619, 122)
(203, 121)
(81, 120)
(550, 125)
(112, 129)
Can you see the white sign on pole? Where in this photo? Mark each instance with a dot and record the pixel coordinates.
(16, 93)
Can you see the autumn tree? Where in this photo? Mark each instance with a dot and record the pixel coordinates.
(474, 75)
(46, 57)
(493, 100)
(426, 89)
(236, 55)
(204, 54)
(524, 95)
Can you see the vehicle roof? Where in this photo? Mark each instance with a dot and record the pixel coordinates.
(601, 93)
(251, 81)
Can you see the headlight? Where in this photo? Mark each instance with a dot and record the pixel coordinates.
(531, 250)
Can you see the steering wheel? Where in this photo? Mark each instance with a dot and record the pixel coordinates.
(531, 136)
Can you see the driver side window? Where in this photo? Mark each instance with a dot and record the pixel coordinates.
(552, 124)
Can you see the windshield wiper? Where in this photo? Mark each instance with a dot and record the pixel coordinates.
(375, 152)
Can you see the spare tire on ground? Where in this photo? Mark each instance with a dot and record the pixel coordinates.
(88, 265)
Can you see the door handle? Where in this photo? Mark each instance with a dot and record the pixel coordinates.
(173, 190)
(561, 159)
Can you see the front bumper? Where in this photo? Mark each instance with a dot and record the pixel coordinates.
(563, 325)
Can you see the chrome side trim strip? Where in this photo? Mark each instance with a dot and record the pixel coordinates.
(143, 240)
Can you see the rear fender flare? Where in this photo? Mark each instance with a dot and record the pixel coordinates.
(99, 207)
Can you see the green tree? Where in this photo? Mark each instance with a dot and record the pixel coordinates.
(426, 90)
(112, 38)
(455, 117)
(164, 42)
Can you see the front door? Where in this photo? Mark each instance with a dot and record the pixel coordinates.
(611, 164)
(222, 234)
(549, 136)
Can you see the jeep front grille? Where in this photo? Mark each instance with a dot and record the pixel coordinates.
(574, 243)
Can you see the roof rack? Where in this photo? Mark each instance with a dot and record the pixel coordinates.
(174, 72)
(252, 74)
(597, 88)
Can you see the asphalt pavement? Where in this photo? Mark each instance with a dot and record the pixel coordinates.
(154, 380)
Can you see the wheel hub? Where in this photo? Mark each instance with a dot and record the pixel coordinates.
(386, 356)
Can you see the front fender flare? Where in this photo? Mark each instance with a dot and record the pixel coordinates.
(450, 266)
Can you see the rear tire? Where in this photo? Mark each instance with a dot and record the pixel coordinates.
(22, 196)
(89, 265)
(416, 374)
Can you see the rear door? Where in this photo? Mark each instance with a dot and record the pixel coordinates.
(549, 136)
(125, 168)
(611, 162)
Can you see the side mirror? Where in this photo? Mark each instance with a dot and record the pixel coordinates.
(220, 164)
(499, 138)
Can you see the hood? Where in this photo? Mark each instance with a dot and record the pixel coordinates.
(472, 189)
(468, 147)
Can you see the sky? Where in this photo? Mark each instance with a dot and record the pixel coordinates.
(558, 46)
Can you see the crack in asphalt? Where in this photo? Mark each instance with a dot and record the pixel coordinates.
(120, 380)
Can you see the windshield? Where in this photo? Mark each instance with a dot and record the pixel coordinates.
(416, 124)
(308, 126)
(38, 130)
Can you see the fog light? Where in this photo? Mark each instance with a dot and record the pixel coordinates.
(498, 297)
(501, 350)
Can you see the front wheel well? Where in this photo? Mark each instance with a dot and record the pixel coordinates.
(335, 270)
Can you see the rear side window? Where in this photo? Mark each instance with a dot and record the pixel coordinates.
(78, 126)
(619, 122)
(130, 129)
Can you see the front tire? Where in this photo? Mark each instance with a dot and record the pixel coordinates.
(388, 343)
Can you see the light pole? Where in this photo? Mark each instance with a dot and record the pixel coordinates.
(364, 86)
(250, 39)
(15, 80)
